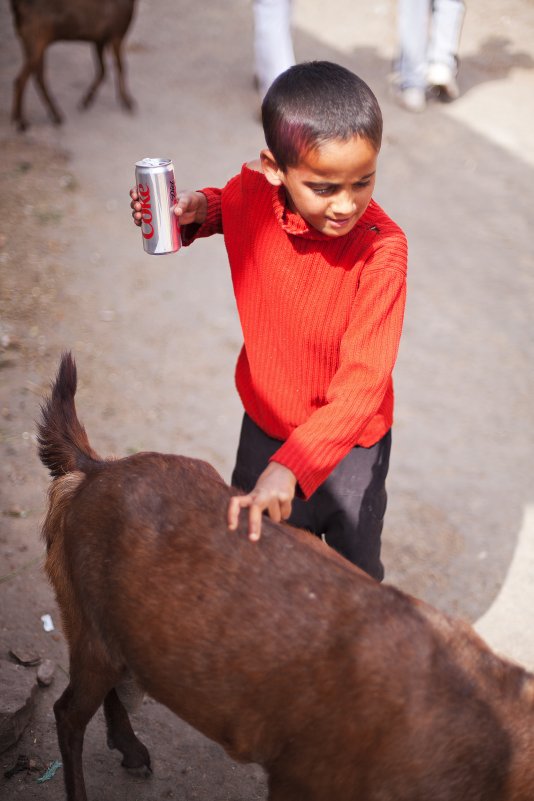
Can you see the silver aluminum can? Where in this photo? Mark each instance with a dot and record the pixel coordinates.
(156, 188)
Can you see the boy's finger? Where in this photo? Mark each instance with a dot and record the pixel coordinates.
(180, 207)
(256, 508)
(274, 510)
(254, 522)
(234, 507)
(285, 509)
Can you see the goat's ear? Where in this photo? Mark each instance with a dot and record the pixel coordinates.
(271, 170)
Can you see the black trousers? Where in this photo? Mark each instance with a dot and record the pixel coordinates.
(347, 510)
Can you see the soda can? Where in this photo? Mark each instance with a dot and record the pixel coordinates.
(156, 188)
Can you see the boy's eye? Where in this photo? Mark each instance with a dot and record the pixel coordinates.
(323, 190)
(331, 189)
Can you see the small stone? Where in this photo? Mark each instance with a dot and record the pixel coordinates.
(45, 673)
(17, 700)
(25, 659)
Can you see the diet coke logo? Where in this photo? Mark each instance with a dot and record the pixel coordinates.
(147, 228)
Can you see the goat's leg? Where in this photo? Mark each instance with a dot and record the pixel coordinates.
(121, 736)
(17, 114)
(34, 63)
(89, 96)
(57, 118)
(126, 100)
(89, 684)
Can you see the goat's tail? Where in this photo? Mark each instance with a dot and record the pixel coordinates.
(63, 443)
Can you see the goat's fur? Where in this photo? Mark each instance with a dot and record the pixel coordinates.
(279, 650)
(39, 23)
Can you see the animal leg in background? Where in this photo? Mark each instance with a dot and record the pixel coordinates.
(34, 64)
(89, 96)
(126, 100)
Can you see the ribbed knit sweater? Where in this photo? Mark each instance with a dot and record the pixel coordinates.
(321, 319)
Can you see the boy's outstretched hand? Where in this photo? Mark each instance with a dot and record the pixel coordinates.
(274, 493)
(191, 207)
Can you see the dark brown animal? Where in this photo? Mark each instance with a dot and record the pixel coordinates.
(282, 652)
(41, 22)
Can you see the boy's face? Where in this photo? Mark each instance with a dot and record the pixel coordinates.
(331, 186)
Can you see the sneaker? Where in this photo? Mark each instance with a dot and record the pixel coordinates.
(413, 98)
(442, 80)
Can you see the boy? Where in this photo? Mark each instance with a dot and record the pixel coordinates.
(319, 275)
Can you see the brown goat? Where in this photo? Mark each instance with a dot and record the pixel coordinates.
(41, 22)
(281, 651)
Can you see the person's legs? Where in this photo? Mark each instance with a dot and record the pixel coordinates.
(347, 509)
(413, 20)
(354, 501)
(273, 43)
(446, 29)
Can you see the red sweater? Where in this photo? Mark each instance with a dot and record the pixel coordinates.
(321, 319)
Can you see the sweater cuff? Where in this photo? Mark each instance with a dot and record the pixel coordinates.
(211, 225)
(308, 479)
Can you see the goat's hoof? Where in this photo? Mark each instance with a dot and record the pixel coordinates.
(57, 120)
(128, 104)
(140, 771)
(21, 125)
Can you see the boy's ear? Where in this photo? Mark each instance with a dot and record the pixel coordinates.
(271, 170)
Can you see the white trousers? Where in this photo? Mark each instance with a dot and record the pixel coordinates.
(429, 33)
(273, 44)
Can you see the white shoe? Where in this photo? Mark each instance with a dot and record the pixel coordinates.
(442, 79)
(413, 98)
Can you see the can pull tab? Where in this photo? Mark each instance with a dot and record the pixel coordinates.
(150, 162)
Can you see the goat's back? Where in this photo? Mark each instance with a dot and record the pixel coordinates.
(83, 20)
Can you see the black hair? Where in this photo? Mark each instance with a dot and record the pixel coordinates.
(313, 103)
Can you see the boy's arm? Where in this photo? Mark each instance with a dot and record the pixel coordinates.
(358, 389)
(212, 222)
(207, 223)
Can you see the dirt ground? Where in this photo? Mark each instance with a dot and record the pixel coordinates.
(156, 339)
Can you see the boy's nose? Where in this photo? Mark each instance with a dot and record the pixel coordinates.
(344, 205)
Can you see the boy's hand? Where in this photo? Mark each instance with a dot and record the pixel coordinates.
(191, 207)
(274, 492)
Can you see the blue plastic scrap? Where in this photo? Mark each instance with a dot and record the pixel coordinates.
(50, 772)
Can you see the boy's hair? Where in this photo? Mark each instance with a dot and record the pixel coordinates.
(313, 103)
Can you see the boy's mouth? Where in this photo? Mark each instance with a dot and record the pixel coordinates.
(340, 223)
